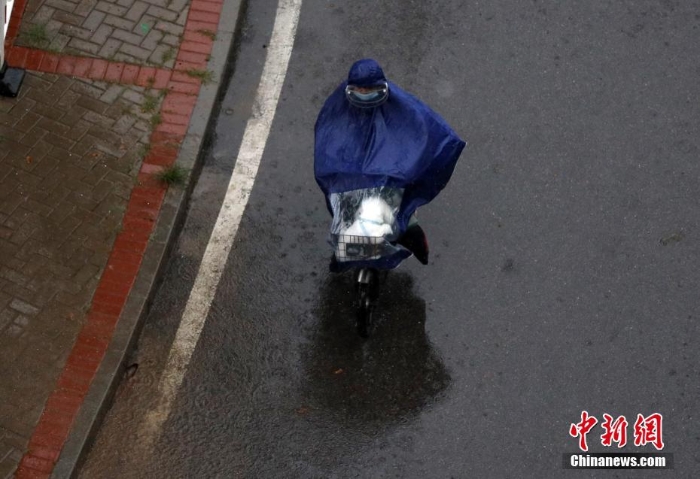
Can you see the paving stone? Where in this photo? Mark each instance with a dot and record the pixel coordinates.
(59, 141)
(171, 40)
(69, 18)
(158, 3)
(94, 20)
(64, 209)
(152, 40)
(7, 315)
(46, 164)
(110, 48)
(119, 22)
(78, 131)
(27, 122)
(38, 152)
(67, 101)
(97, 119)
(92, 104)
(100, 37)
(112, 93)
(23, 214)
(60, 85)
(23, 307)
(136, 11)
(25, 103)
(123, 57)
(160, 53)
(182, 18)
(106, 135)
(170, 28)
(13, 331)
(53, 126)
(101, 85)
(142, 125)
(43, 15)
(177, 5)
(13, 276)
(128, 37)
(59, 42)
(141, 53)
(32, 137)
(22, 321)
(111, 8)
(85, 7)
(35, 82)
(162, 13)
(145, 24)
(82, 46)
(52, 27)
(14, 264)
(134, 97)
(61, 5)
(86, 89)
(123, 126)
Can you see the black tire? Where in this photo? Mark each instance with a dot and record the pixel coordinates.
(364, 313)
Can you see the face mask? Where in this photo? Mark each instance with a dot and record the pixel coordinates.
(373, 95)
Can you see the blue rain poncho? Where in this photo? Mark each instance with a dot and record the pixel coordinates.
(400, 145)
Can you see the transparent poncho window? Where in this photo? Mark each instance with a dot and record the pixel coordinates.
(365, 223)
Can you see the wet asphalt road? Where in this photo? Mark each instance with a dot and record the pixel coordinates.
(564, 260)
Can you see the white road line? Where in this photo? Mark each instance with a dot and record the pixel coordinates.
(226, 227)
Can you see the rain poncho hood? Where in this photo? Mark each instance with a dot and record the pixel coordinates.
(401, 143)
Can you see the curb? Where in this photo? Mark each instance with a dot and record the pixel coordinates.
(83, 394)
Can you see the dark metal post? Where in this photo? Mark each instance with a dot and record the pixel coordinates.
(10, 78)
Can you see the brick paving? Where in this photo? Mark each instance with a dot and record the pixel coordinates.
(70, 151)
(95, 119)
(144, 32)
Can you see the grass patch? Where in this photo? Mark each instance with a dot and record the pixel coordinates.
(204, 75)
(37, 36)
(156, 120)
(172, 175)
(168, 55)
(150, 103)
(207, 33)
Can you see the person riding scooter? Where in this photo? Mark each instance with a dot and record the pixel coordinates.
(374, 141)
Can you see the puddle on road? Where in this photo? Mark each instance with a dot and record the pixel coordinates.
(379, 382)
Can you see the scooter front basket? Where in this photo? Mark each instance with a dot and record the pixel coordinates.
(360, 248)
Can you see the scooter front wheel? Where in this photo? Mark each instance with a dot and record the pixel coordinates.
(364, 312)
(368, 291)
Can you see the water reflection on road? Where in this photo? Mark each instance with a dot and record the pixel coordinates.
(375, 383)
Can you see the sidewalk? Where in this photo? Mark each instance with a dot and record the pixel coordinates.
(106, 105)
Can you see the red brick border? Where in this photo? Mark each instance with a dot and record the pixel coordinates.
(139, 220)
